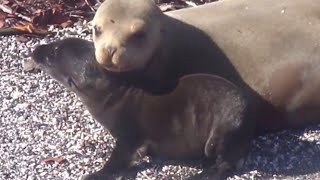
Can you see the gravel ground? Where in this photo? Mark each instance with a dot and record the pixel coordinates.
(40, 120)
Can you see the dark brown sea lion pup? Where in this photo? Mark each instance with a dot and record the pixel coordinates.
(203, 117)
(265, 47)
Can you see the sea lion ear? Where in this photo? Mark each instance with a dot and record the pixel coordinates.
(91, 71)
(95, 78)
(90, 74)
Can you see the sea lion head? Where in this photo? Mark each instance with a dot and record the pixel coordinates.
(71, 62)
(126, 34)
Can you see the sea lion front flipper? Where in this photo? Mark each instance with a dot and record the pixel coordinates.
(121, 159)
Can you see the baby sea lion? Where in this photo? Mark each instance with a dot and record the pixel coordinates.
(266, 48)
(204, 116)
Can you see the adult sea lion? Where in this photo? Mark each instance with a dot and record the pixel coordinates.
(204, 116)
(265, 47)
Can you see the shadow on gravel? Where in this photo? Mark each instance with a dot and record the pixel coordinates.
(289, 153)
(286, 153)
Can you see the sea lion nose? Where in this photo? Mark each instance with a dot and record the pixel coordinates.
(111, 50)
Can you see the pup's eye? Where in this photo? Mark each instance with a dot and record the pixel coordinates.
(53, 51)
(96, 30)
(50, 57)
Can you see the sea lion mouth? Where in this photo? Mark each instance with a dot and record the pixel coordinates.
(118, 68)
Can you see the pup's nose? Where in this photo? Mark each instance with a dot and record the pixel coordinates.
(111, 50)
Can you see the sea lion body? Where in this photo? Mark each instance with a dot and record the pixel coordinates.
(273, 46)
(205, 116)
(265, 47)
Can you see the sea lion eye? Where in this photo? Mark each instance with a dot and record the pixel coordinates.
(138, 29)
(52, 53)
(97, 30)
(50, 56)
(139, 34)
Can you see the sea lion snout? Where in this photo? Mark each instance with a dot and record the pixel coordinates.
(106, 54)
(111, 50)
(116, 62)
(113, 58)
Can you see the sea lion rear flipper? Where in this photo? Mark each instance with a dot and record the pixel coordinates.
(230, 136)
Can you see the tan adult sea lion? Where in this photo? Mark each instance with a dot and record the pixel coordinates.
(205, 116)
(266, 47)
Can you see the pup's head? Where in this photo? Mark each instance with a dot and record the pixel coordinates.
(72, 63)
(126, 34)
